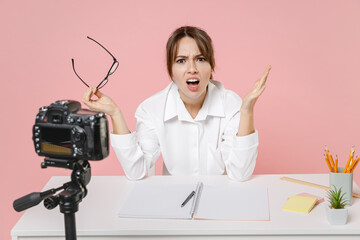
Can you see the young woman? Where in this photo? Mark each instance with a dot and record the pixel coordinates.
(198, 126)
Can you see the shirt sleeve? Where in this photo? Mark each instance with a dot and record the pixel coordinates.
(239, 153)
(137, 151)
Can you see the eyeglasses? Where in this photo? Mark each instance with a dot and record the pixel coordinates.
(112, 69)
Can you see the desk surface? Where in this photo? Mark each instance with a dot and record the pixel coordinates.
(97, 215)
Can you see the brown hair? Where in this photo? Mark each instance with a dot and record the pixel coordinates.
(203, 42)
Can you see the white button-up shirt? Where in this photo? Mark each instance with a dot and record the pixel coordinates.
(206, 145)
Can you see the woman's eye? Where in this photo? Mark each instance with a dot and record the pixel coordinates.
(180, 61)
(201, 59)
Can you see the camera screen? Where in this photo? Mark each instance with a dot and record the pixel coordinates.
(56, 141)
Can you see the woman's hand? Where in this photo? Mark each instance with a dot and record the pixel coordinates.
(250, 99)
(106, 105)
(246, 125)
(103, 103)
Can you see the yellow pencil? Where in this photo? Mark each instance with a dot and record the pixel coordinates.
(327, 159)
(350, 157)
(328, 163)
(332, 162)
(351, 165)
(356, 163)
(327, 150)
(336, 164)
(352, 161)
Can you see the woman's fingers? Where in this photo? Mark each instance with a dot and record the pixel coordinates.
(87, 95)
(265, 75)
(261, 81)
(259, 86)
(93, 91)
(260, 91)
(98, 93)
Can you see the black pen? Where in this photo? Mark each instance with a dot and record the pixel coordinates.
(188, 198)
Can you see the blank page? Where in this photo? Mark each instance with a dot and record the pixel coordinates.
(157, 200)
(233, 203)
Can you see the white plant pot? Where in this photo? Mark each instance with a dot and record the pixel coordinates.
(337, 216)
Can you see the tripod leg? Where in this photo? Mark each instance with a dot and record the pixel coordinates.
(70, 226)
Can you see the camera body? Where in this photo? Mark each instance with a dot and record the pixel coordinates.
(63, 130)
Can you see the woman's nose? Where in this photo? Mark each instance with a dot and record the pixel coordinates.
(192, 68)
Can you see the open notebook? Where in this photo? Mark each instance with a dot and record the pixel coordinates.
(231, 202)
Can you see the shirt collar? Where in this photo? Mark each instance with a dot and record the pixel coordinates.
(213, 104)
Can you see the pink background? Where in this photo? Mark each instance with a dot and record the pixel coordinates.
(312, 97)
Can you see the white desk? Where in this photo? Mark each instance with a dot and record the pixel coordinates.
(97, 219)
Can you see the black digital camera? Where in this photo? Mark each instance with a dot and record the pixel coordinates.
(65, 131)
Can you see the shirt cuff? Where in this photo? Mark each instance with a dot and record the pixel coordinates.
(247, 141)
(122, 140)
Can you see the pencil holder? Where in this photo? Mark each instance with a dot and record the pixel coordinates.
(343, 181)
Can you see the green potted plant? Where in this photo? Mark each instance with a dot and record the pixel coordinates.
(336, 212)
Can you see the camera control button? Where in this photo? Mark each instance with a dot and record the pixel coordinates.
(79, 120)
(37, 139)
(77, 136)
(71, 120)
(80, 151)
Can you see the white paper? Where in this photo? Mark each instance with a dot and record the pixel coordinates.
(157, 200)
(233, 203)
(162, 200)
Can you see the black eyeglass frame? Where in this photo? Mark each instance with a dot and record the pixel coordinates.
(101, 84)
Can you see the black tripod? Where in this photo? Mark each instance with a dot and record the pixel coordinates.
(69, 199)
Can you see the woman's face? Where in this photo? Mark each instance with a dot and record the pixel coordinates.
(191, 71)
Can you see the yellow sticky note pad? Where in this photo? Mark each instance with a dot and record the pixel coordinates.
(300, 204)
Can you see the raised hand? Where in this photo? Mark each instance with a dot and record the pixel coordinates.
(106, 105)
(250, 99)
(103, 103)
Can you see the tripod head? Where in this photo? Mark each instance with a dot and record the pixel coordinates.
(74, 191)
(69, 199)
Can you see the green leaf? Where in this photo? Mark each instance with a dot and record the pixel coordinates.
(337, 198)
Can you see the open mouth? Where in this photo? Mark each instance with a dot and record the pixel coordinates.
(192, 82)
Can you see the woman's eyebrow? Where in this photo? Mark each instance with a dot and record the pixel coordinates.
(182, 56)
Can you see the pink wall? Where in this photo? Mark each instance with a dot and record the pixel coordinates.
(312, 97)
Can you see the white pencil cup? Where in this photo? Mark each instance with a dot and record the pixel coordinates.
(343, 181)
